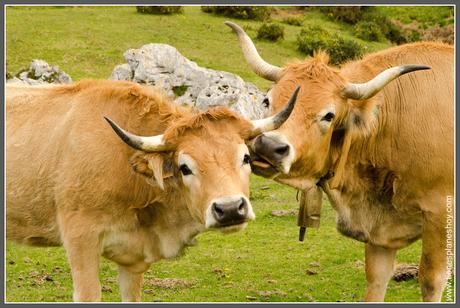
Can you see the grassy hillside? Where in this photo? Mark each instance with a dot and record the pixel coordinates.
(265, 262)
(87, 42)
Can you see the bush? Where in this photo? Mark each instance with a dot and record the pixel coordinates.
(293, 21)
(160, 10)
(241, 12)
(380, 23)
(348, 14)
(388, 28)
(395, 35)
(341, 50)
(271, 32)
(315, 38)
(368, 31)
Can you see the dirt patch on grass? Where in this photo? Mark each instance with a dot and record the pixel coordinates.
(170, 283)
(279, 213)
(271, 293)
(404, 272)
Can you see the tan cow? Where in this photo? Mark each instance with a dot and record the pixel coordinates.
(71, 181)
(388, 147)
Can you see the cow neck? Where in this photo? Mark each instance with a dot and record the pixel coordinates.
(335, 174)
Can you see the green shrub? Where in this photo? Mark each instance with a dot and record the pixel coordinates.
(315, 38)
(341, 50)
(271, 32)
(395, 35)
(293, 21)
(413, 36)
(241, 12)
(160, 10)
(348, 14)
(207, 9)
(368, 31)
(388, 28)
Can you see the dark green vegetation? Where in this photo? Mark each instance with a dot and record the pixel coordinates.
(240, 12)
(271, 32)
(160, 10)
(265, 262)
(293, 21)
(368, 30)
(340, 49)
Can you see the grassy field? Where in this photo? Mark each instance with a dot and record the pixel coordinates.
(265, 262)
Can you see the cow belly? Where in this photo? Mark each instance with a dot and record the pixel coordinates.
(381, 225)
(31, 221)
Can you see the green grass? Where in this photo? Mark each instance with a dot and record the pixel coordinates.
(425, 15)
(87, 42)
(266, 256)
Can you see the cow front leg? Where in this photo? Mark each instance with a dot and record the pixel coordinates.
(379, 270)
(130, 284)
(433, 264)
(83, 247)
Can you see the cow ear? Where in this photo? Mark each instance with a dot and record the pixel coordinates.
(362, 116)
(155, 166)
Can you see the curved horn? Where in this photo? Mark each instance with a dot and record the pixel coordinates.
(146, 144)
(275, 121)
(360, 91)
(255, 61)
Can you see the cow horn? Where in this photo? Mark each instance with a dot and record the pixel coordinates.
(275, 121)
(255, 61)
(360, 91)
(146, 144)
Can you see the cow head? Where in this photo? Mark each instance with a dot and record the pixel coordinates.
(204, 157)
(316, 138)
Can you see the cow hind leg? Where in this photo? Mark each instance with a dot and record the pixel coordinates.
(433, 264)
(130, 284)
(379, 269)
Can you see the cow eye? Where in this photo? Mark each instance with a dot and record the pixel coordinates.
(246, 159)
(266, 102)
(185, 169)
(328, 117)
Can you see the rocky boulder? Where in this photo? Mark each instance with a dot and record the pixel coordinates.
(40, 72)
(163, 66)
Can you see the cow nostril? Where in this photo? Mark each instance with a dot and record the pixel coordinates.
(242, 207)
(217, 210)
(282, 149)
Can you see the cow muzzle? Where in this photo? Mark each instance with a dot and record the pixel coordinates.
(271, 154)
(229, 212)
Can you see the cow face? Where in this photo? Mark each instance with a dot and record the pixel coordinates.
(331, 110)
(298, 153)
(203, 158)
(213, 167)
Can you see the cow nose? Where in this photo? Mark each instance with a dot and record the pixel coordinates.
(271, 150)
(231, 212)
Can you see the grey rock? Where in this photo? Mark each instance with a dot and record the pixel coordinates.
(40, 72)
(163, 66)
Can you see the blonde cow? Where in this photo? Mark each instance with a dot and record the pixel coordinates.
(381, 146)
(72, 181)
